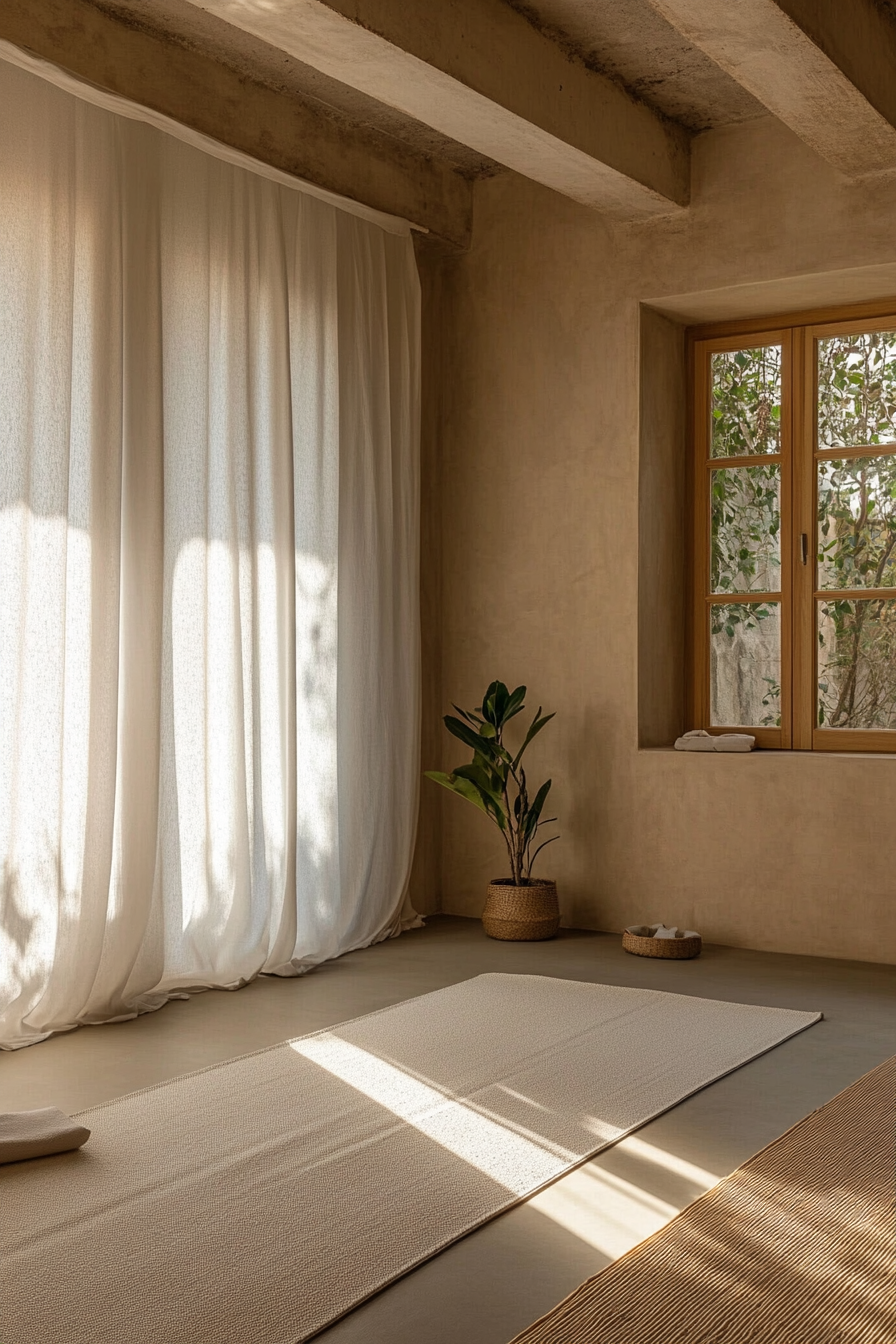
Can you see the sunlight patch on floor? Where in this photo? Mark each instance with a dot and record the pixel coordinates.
(698, 1176)
(608, 1213)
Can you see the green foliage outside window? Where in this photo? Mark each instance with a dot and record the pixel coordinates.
(745, 504)
(856, 542)
(746, 402)
(857, 531)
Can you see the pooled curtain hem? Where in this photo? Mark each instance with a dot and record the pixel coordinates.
(302, 965)
(153, 1000)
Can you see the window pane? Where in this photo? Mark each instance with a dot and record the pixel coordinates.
(857, 663)
(746, 402)
(745, 664)
(857, 523)
(857, 390)
(746, 529)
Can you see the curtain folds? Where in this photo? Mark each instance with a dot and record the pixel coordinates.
(209, 667)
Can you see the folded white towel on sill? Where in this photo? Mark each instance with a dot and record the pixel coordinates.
(25, 1134)
(701, 740)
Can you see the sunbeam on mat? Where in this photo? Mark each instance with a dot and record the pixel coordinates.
(507, 1157)
(599, 1208)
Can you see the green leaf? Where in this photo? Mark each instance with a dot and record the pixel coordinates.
(494, 703)
(515, 703)
(458, 782)
(463, 787)
(477, 773)
(466, 734)
(531, 819)
(539, 849)
(536, 727)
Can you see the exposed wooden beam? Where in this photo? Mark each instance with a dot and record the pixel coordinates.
(824, 67)
(477, 71)
(298, 135)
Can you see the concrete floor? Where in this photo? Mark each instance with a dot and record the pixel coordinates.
(485, 1288)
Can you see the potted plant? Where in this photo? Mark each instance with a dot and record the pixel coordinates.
(518, 907)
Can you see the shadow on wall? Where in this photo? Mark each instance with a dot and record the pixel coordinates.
(591, 782)
(662, 532)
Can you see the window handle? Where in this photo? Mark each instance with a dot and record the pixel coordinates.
(804, 547)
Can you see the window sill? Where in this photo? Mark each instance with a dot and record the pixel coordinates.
(774, 751)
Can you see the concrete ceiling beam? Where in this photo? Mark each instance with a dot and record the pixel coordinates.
(302, 137)
(477, 71)
(823, 67)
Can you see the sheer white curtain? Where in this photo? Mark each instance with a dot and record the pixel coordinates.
(208, 568)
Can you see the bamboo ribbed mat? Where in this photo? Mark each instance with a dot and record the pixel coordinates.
(798, 1246)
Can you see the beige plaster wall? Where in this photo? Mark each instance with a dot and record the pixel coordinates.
(536, 544)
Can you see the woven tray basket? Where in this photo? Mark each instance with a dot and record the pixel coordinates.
(521, 914)
(671, 948)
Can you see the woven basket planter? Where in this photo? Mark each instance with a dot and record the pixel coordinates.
(521, 914)
(677, 949)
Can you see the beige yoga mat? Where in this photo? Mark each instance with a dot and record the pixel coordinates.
(797, 1247)
(257, 1201)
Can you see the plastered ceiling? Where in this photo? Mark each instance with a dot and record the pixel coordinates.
(628, 40)
(188, 26)
(625, 39)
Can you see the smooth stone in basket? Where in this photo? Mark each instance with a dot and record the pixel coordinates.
(521, 914)
(655, 940)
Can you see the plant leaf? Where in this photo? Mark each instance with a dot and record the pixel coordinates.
(539, 849)
(494, 703)
(537, 725)
(531, 819)
(477, 773)
(488, 702)
(465, 788)
(468, 736)
(515, 703)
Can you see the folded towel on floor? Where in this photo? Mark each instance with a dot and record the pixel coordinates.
(701, 740)
(25, 1134)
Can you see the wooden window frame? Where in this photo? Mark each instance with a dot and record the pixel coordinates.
(797, 334)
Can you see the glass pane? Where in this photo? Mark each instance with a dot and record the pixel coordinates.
(746, 402)
(857, 523)
(746, 529)
(857, 390)
(745, 664)
(857, 663)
